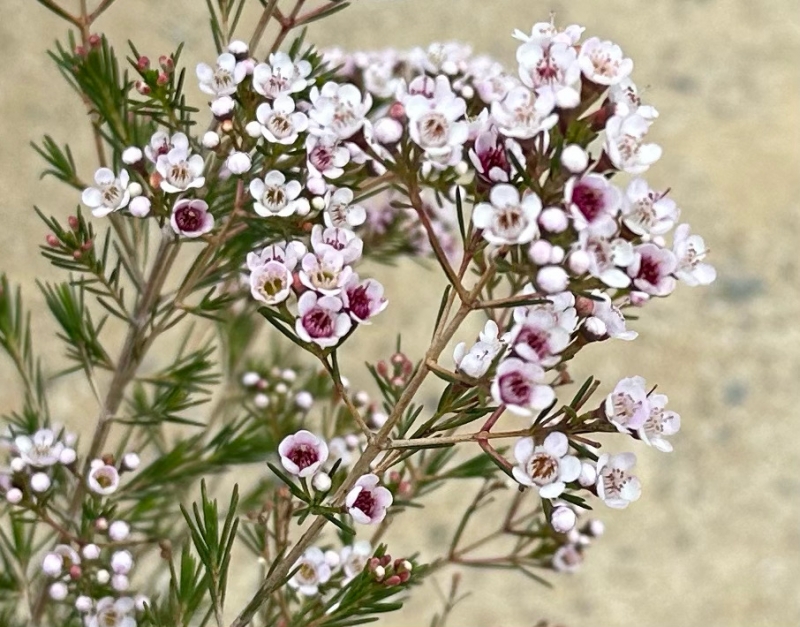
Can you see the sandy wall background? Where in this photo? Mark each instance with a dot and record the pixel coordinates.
(714, 541)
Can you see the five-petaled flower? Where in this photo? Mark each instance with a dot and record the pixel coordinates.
(110, 194)
(615, 485)
(547, 466)
(303, 453)
(367, 502)
(191, 218)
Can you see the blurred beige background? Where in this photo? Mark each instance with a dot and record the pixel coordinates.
(715, 540)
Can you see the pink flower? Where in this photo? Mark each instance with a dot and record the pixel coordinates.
(326, 155)
(364, 299)
(652, 268)
(321, 319)
(607, 318)
(647, 212)
(280, 76)
(520, 387)
(547, 467)
(191, 218)
(367, 502)
(615, 485)
(488, 155)
(607, 257)
(342, 240)
(303, 453)
(593, 204)
(325, 273)
(507, 219)
(537, 337)
(627, 406)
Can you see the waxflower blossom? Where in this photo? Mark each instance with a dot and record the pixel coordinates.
(280, 123)
(602, 62)
(161, 143)
(338, 239)
(652, 268)
(608, 318)
(646, 212)
(191, 218)
(303, 453)
(548, 466)
(593, 204)
(110, 194)
(506, 219)
(537, 337)
(40, 449)
(488, 156)
(271, 272)
(367, 502)
(520, 387)
(567, 559)
(339, 109)
(340, 210)
(690, 250)
(627, 407)
(625, 97)
(313, 571)
(363, 299)
(325, 273)
(274, 196)
(434, 126)
(102, 479)
(180, 170)
(353, 559)
(280, 76)
(624, 144)
(111, 612)
(224, 78)
(476, 361)
(659, 424)
(321, 319)
(326, 156)
(551, 67)
(523, 114)
(607, 257)
(615, 485)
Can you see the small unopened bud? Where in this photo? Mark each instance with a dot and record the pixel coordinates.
(140, 602)
(379, 572)
(595, 326)
(58, 591)
(80, 51)
(94, 40)
(556, 255)
(73, 222)
(143, 63)
(321, 482)
(131, 156)
(281, 388)
(120, 583)
(130, 461)
(388, 130)
(223, 107)
(249, 379)
(304, 400)
(588, 475)
(467, 92)
(574, 158)
(14, 496)
(540, 251)
(166, 63)
(596, 528)
(135, 189)
(261, 401)
(52, 564)
(162, 79)
(639, 298)
(140, 206)
(75, 572)
(118, 530)
(461, 168)
(318, 202)
(90, 552)
(332, 558)
(578, 262)
(102, 576)
(253, 129)
(397, 110)
(238, 49)
(289, 375)
(83, 604)
(52, 240)
(552, 279)
(142, 87)
(392, 581)
(17, 464)
(553, 220)
(40, 482)
(562, 519)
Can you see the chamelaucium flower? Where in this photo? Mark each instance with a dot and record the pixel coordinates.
(526, 184)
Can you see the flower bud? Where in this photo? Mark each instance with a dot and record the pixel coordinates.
(238, 162)
(253, 129)
(102, 577)
(574, 158)
(143, 63)
(318, 203)
(578, 262)
(17, 464)
(596, 528)
(261, 401)
(388, 130)
(553, 220)
(392, 581)
(321, 482)
(58, 591)
(135, 189)
(52, 240)
(40, 482)
(562, 519)
(142, 87)
(14, 496)
(639, 298)
(73, 222)
(130, 461)
(210, 140)
(379, 572)
(101, 524)
(588, 475)
(304, 400)
(595, 327)
(223, 107)
(552, 279)
(281, 388)
(249, 379)
(332, 558)
(162, 78)
(556, 255)
(67, 456)
(118, 530)
(120, 583)
(83, 604)
(289, 375)
(51, 564)
(140, 602)
(238, 49)
(539, 252)
(91, 552)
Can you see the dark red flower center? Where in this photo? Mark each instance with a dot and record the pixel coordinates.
(318, 323)
(303, 455)
(188, 219)
(365, 502)
(534, 339)
(359, 302)
(588, 200)
(515, 388)
(649, 270)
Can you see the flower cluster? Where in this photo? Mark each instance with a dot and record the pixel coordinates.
(33, 461)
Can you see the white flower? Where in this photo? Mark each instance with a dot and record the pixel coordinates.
(610, 318)
(690, 250)
(520, 386)
(626, 100)
(602, 62)
(339, 108)
(111, 193)
(180, 170)
(433, 125)
(288, 254)
(340, 210)
(224, 78)
(102, 479)
(280, 123)
(139, 207)
(476, 361)
(353, 559)
(627, 407)
(506, 219)
(606, 257)
(593, 203)
(326, 156)
(646, 212)
(567, 559)
(652, 268)
(624, 144)
(326, 273)
(321, 320)
(39, 450)
(363, 299)
(545, 33)
(522, 114)
(52, 564)
(615, 485)
(341, 240)
(40, 482)
(161, 143)
(280, 76)
(69, 555)
(547, 467)
(551, 68)
(312, 572)
(562, 519)
(302, 453)
(275, 197)
(238, 162)
(191, 218)
(367, 502)
(271, 282)
(537, 337)
(112, 612)
(659, 424)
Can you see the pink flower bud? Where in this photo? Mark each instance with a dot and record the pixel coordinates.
(578, 262)
(562, 519)
(552, 279)
(14, 496)
(52, 240)
(143, 63)
(142, 87)
(73, 223)
(540, 251)
(162, 79)
(574, 158)
(553, 220)
(58, 591)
